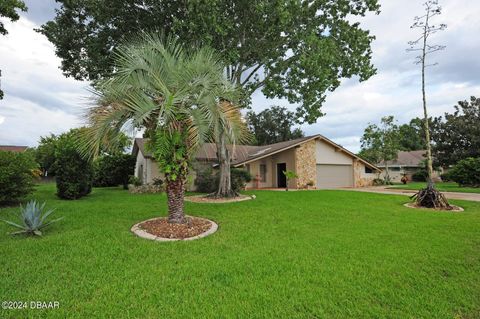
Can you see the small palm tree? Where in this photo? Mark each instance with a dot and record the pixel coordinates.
(179, 96)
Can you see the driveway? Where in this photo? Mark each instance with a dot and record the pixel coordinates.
(384, 190)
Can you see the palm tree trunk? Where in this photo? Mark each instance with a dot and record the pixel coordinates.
(425, 117)
(225, 182)
(175, 194)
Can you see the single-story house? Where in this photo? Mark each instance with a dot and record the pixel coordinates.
(13, 148)
(407, 163)
(315, 159)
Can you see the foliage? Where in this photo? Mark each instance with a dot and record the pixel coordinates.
(466, 172)
(45, 154)
(158, 181)
(32, 219)
(378, 182)
(273, 125)
(412, 135)
(135, 181)
(289, 176)
(380, 143)
(74, 173)
(295, 50)
(457, 136)
(8, 9)
(16, 175)
(180, 96)
(420, 175)
(113, 170)
(207, 180)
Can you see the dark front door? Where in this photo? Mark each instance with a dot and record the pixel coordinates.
(281, 178)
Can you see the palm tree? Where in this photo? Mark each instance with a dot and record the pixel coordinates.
(179, 96)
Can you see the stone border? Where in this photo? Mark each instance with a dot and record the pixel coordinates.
(456, 209)
(146, 235)
(240, 198)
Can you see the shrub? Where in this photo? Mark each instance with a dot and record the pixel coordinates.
(466, 172)
(32, 219)
(135, 181)
(378, 182)
(420, 176)
(113, 170)
(74, 172)
(16, 175)
(207, 180)
(445, 177)
(157, 181)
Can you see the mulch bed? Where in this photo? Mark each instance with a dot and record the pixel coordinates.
(454, 209)
(206, 199)
(161, 228)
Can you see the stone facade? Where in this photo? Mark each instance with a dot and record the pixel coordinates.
(360, 178)
(306, 164)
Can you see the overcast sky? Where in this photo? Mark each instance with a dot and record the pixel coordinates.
(39, 100)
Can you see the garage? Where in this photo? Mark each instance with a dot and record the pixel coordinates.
(334, 176)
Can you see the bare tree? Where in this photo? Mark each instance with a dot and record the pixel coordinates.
(428, 197)
(422, 45)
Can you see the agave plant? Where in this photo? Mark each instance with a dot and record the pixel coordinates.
(32, 218)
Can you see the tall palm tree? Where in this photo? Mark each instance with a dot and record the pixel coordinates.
(179, 96)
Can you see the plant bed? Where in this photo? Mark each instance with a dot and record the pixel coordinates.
(454, 208)
(209, 199)
(159, 229)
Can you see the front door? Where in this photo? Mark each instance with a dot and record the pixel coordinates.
(281, 178)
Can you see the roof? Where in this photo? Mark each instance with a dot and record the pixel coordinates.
(244, 154)
(406, 158)
(13, 148)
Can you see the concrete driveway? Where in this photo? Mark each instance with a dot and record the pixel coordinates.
(384, 190)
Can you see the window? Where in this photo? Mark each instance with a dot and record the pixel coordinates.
(368, 170)
(395, 169)
(263, 173)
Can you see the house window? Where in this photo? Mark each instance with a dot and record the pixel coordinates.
(395, 169)
(263, 173)
(368, 170)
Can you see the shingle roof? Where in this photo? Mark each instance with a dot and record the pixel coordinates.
(13, 148)
(406, 158)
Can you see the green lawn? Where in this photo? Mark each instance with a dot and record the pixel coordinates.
(444, 187)
(312, 254)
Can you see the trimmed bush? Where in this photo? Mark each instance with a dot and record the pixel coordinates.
(466, 172)
(207, 180)
(17, 171)
(74, 172)
(420, 176)
(113, 170)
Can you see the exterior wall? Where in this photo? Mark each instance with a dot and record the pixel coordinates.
(140, 167)
(287, 157)
(360, 178)
(305, 164)
(396, 173)
(327, 154)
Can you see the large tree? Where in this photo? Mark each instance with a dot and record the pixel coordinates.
(8, 9)
(273, 125)
(178, 95)
(457, 136)
(380, 143)
(412, 135)
(298, 50)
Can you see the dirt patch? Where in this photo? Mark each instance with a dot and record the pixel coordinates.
(454, 209)
(161, 228)
(205, 199)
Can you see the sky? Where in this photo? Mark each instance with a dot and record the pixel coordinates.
(40, 100)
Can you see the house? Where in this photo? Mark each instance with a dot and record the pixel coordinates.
(407, 163)
(13, 148)
(315, 159)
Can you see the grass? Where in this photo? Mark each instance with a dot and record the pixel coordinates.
(312, 254)
(444, 187)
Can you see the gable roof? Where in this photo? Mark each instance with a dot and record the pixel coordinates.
(244, 154)
(13, 148)
(407, 158)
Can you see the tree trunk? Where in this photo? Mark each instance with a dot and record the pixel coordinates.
(387, 173)
(175, 194)
(225, 182)
(425, 117)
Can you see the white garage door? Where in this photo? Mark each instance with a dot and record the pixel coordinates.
(334, 176)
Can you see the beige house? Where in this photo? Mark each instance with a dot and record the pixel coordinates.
(316, 160)
(407, 163)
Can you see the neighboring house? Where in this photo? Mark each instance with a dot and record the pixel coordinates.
(315, 159)
(13, 148)
(407, 163)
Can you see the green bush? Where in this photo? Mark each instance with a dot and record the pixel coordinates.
(16, 176)
(74, 172)
(113, 170)
(420, 176)
(207, 180)
(378, 182)
(466, 172)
